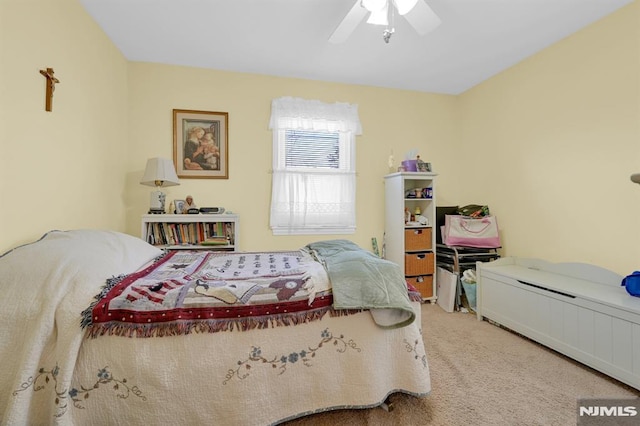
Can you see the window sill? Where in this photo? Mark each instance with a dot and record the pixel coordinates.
(313, 231)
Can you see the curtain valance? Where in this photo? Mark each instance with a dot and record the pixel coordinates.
(298, 113)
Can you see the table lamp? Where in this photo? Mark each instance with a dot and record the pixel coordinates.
(159, 172)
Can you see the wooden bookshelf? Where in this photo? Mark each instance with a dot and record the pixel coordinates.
(191, 231)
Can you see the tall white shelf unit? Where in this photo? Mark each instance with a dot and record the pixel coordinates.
(198, 224)
(411, 246)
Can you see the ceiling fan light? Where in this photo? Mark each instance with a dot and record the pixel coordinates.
(374, 5)
(379, 17)
(405, 6)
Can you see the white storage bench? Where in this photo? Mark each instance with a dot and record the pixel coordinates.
(579, 310)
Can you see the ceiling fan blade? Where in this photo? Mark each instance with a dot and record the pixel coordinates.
(349, 23)
(422, 18)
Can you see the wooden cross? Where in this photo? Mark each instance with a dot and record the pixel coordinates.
(51, 86)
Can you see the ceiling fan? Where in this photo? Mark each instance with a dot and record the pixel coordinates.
(382, 12)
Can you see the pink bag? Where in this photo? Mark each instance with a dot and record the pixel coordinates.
(471, 232)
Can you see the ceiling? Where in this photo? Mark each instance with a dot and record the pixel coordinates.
(476, 40)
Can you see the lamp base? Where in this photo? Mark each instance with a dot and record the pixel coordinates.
(156, 204)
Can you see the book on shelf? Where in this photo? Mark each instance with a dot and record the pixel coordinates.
(172, 237)
(192, 233)
(215, 241)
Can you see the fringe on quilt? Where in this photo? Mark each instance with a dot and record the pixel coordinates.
(86, 317)
(415, 296)
(176, 328)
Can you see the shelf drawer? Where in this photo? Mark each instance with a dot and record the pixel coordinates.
(418, 263)
(422, 283)
(417, 239)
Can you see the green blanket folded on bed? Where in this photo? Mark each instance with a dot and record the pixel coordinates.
(361, 280)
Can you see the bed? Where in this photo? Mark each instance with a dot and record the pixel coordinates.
(99, 327)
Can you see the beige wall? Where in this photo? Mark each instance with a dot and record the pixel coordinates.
(391, 120)
(549, 144)
(61, 169)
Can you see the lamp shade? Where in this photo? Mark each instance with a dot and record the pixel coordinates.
(405, 6)
(379, 17)
(160, 172)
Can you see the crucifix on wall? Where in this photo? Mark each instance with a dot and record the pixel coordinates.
(51, 86)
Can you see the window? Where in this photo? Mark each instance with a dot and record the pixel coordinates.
(310, 149)
(314, 189)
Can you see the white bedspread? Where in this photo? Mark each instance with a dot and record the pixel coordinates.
(44, 286)
(51, 374)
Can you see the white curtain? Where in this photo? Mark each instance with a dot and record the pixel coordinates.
(298, 113)
(308, 202)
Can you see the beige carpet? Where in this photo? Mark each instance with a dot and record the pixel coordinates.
(484, 375)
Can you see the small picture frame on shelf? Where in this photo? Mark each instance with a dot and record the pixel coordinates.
(178, 204)
(423, 167)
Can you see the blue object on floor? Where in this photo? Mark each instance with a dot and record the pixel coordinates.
(470, 292)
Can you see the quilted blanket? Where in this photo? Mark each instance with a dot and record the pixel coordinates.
(364, 281)
(202, 291)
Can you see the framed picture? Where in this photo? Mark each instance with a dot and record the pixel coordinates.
(423, 167)
(179, 204)
(201, 144)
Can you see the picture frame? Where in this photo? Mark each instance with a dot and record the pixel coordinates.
(178, 205)
(201, 144)
(423, 167)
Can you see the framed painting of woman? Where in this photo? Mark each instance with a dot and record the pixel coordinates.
(201, 144)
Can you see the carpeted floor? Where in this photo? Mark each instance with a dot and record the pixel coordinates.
(484, 375)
